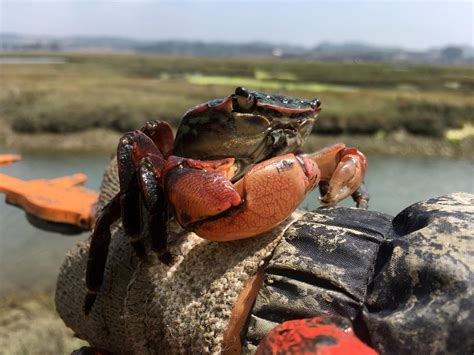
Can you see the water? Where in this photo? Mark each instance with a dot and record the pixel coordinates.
(30, 258)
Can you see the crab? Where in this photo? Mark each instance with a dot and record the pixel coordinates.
(235, 170)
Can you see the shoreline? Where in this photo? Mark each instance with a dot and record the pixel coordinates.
(104, 141)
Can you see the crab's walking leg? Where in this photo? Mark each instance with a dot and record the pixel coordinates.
(136, 153)
(361, 197)
(161, 134)
(342, 174)
(140, 165)
(126, 205)
(98, 251)
(155, 203)
(130, 151)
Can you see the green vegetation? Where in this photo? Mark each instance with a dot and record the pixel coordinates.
(123, 91)
(267, 84)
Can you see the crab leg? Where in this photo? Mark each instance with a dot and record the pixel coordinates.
(139, 163)
(125, 204)
(161, 133)
(132, 148)
(98, 251)
(361, 197)
(155, 204)
(342, 174)
(262, 199)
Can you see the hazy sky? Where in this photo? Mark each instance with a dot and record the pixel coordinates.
(409, 24)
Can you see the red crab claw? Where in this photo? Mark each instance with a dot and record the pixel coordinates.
(206, 202)
(199, 189)
(342, 174)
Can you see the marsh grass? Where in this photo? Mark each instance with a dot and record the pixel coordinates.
(120, 92)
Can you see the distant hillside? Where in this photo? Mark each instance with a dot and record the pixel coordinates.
(345, 52)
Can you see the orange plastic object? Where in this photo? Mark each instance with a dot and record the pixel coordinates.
(323, 335)
(57, 200)
(7, 159)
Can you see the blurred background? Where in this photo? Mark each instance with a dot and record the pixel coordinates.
(395, 79)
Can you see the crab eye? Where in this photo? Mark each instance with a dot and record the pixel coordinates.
(244, 100)
(240, 91)
(315, 103)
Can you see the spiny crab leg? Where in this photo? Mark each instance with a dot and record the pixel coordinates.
(216, 209)
(342, 174)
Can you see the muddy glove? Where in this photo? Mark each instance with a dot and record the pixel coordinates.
(406, 284)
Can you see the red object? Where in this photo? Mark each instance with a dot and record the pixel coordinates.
(320, 335)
